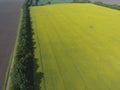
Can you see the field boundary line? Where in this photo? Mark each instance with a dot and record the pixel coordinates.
(7, 71)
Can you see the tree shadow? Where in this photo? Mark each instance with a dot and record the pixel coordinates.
(38, 76)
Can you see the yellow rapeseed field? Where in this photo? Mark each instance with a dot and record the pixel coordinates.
(77, 47)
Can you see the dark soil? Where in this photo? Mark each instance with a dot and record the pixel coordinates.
(9, 19)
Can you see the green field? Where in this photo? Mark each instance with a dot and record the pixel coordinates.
(57, 1)
(54, 1)
(77, 47)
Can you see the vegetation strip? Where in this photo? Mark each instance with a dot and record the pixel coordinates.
(114, 6)
(22, 72)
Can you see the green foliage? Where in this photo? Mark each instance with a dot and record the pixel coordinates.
(114, 6)
(81, 1)
(22, 73)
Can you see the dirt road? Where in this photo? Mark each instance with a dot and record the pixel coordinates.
(9, 18)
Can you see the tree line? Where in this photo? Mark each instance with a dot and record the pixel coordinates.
(113, 6)
(22, 72)
(81, 1)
